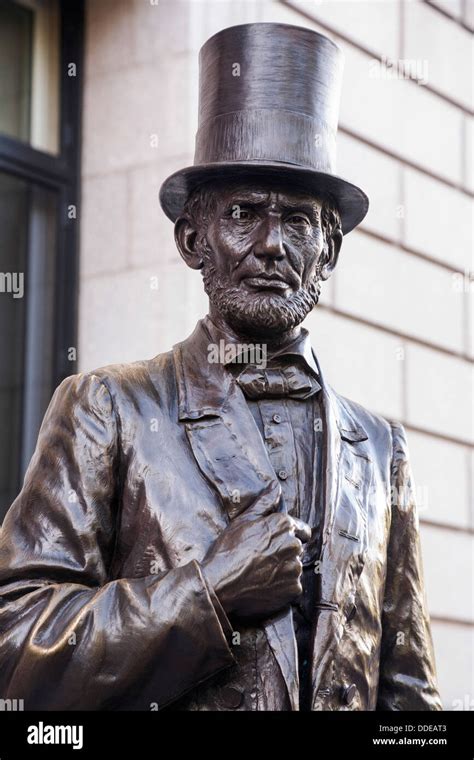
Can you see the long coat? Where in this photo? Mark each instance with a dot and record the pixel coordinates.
(138, 468)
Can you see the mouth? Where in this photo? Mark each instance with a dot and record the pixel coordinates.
(267, 282)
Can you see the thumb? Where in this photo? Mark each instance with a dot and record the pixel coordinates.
(301, 529)
(267, 502)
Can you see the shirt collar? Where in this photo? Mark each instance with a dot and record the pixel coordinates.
(299, 347)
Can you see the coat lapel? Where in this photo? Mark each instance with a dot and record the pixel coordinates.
(225, 441)
(347, 483)
(230, 453)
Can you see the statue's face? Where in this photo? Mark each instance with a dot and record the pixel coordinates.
(263, 255)
(265, 241)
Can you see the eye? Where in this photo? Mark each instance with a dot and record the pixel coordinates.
(298, 220)
(242, 214)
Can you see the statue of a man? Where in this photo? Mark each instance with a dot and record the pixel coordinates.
(215, 528)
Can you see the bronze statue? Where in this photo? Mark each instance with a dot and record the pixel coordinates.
(215, 528)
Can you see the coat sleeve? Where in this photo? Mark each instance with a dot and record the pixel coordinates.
(69, 637)
(407, 667)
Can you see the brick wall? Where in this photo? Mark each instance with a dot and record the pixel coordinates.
(394, 327)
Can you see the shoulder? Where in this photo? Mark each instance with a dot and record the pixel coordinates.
(122, 376)
(113, 378)
(383, 433)
(374, 424)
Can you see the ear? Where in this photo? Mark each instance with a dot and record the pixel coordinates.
(330, 253)
(185, 237)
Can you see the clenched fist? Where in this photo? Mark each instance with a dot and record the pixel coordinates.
(255, 564)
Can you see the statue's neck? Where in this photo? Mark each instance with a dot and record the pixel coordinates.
(272, 342)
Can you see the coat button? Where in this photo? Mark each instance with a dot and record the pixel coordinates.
(348, 693)
(277, 418)
(231, 697)
(282, 474)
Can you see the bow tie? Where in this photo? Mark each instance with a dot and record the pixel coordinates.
(277, 382)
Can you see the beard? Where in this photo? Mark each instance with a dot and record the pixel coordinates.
(259, 313)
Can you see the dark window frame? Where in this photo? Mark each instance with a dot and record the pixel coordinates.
(61, 174)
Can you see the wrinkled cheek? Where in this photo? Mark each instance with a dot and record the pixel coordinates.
(219, 254)
(233, 250)
(311, 265)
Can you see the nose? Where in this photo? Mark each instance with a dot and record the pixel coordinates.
(270, 240)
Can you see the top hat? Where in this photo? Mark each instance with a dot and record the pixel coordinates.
(268, 106)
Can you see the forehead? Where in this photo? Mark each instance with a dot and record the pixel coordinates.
(268, 193)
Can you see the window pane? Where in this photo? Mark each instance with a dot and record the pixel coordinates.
(27, 286)
(29, 72)
(16, 27)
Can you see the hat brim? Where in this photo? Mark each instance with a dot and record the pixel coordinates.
(351, 201)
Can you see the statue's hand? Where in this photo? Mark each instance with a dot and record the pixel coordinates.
(255, 564)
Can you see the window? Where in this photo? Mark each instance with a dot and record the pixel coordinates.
(29, 61)
(40, 83)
